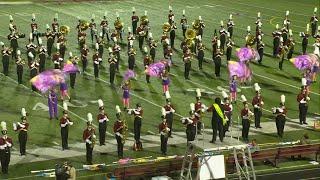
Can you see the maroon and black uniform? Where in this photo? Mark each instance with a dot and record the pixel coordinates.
(96, 63)
(84, 58)
(281, 113)
(314, 21)
(118, 131)
(170, 17)
(5, 146)
(89, 137)
(93, 29)
(302, 99)
(198, 110)
(82, 38)
(245, 123)
(187, 64)
(169, 116)
(257, 103)
(134, 20)
(137, 127)
(55, 27)
(62, 41)
(105, 29)
(102, 120)
(56, 60)
(50, 40)
(191, 129)
(23, 136)
(141, 35)
(164, 133)
(64, 124)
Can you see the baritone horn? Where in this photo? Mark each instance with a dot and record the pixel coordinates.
(84, 25)
(166, 27)
(118, 25)
(191, 34)
(64, 29)
(144, 20)
(196, 24)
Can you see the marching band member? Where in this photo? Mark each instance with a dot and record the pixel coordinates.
(84, 57)
(55, 25)
(62, 42)
(229, 45)
(305, 41)
(201, 27)
(131, 58)
(119, 30)
(5, 148)
(200, 56)
(93, 28)
(190, 123)
(5, 58)
(72, 60)
(276, 40)
(42, 56)
(230, 26)
(119, 129)
(286, 21)
(228, 108)
(168, 53)
(257, 103)
(137, 113)
(223, 34)
(187, 64)
(89, 137)
(314, 20)
(164, 133)
(199, 108)
(218, 120)
(246, 114)
(96, 62)
(53, 104)
(19, 62)
(146, 62)
(13, 38)
(233, 89)
(280, 113)
(141, 35)
(217, 60)
(56, 58)
(172, 33)
(102, 120)
(260, 48)
(282, 50)
(104, 27)
(170, 15)
(165, 81)
(81, 38)
(100, 46)
(130, 38)
(65, 121)
(168, 112)
(31, 48)
(284, 34)
(303, 99)
(258, 22)
(152, 46)
(184, 23)
(134, 21)
(23, 131)
(50, 39)
(116, 52)
(33, 69)
(214, 42)
(113, 61)
(126, 94)
(34, 28)
(12, 26)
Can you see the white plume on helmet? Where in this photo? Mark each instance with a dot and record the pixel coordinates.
(167, 94)
(243, 98)
(192, 107)
(89, 116)
(256, 87)
(198, 91)
(23, 112)
(100, 103)
(224, 94)
(163, 111)
(303, 81)
(30, 55)
(65, 106)
(282, 98)
(118, 110)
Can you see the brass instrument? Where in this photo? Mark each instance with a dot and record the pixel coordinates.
(196, 24)
(84, 25)
(250, 39)
(64, 29)
(166, 27)
(144, 20)
(191, 34)
(118, 24)
(124, 131)
(20, 61)
(190, 43)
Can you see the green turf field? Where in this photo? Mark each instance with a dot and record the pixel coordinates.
(44, 133)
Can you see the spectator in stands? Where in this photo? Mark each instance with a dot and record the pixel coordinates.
(254, 147)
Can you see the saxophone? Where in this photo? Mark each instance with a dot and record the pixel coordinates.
(124, 131)
(93, 139)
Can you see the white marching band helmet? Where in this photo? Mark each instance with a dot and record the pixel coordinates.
(277, 26)
(30, 36)
(283, 99)
(97, 46)
(10, 18)
(33, 16)
(47, 26)
(224, 95)
(218, 43)
(118, 112)
(170, 8)
(257, 88)
(167, 94)
(248, 29)
(315, 10)
(145, 49)
(40, 40)
(221, 23)
(89, 118)
(18, 52)
(259, 15)
(110, 50)
(1, 43)
(100, 103)
(290, 33)
(23, 112)
(198, 92)
(287, 13)
(308, 27)
(4, 127)
(192, 108)
(183, 12)
(105, 13)
(30, 55)
(133, 9)
(303, 81)
(200, 18)
(243, 98)
(230, 16)
(163, 112)
(70, 54)
(58, 46)
(65, 107)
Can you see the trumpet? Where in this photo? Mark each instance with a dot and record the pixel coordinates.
(20, 61)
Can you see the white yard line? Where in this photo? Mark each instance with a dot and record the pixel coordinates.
(16, 3)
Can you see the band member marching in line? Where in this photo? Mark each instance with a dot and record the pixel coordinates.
(290, 44)
(229, 45)
(230, 26)
(190, 123)
(5, 52)
(73, 75)
(257, 103)
(96, 62)
(137, 113)
(146, 62)
(130, 38)
(31, 48)
(113, 62)
(126, 94)
(246, 115)
(118, 26)
(42, 56)
(184, 23)
(55, 25)
(116, 52)
(218, 120)
(33, 69)
(82, 38)
(228, 108)
(201, 27)
(84, 57)
(258, 22)
(260, 48)
(187, 64)
(199, 108)
(164, 133)
(131, 58)
(214, 43)
(104, 27)
(303, 99)
(134, 21)
(286, 21)
(22, 127)
(141, 35)
(305, 39)
(65, 122)
(313, 21)
(34, 29)
(168, 112)
(200, 56)
(280, 113)
(53, 104)
(50, 40)
(12, 25)
(170, 15)
(120, 128)
(282, 50)
(56, 58)
(276, 40)
(93, 28)
(172, 34)
(19, 62)
(89, 137)
(152, 45)
(103, 121)
(13, 38)
(223, 34)
(5, 148)
(217, 60)
(62, 42)
(233, 89)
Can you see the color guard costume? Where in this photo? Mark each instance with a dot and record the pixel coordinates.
(53, 104)
(103, 120)
(22, 128)
(126, 94)
(233, 89)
